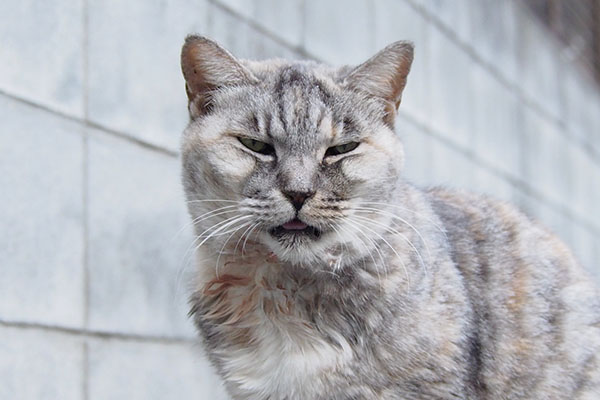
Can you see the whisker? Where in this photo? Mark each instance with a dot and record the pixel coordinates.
(213, 200)
(364, 246)
(431, 221)
(343, 243)
(199, 237)
(204, 216)
(244, 224)
(249, 228)
(383, 212)
(377, 249)
(237, 219)
(362, 242)
(179, 277)
(248, 236)
(394, 231)
(390, 246)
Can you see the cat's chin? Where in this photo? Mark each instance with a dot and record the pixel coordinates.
(304, 245)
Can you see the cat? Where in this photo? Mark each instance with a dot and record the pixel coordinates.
(324, 275)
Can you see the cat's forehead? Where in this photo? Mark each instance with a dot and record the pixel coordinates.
(301, 88)
(294, 103)
(272, 71)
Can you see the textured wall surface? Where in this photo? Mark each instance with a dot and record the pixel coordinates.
(94, 260)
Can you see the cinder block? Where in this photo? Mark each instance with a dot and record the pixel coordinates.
(453, 14)
(41, 240)
(282, 18)
(42, 52)
(138, 235)
(135, 80)
(242, 7)
(40, 365)
(538, 64)
(594, 196)
(548, 167)
(497, 136)
(493, 34)
(451, 168)
(549, 217)
(493, 185)
(339, 34)
(581, 241)
(580, 109)
(595, 265)
(583, 245)
(595, 112)
(397, 20)
(147, 371)
(417, 152)
(584, 182)
(451, 92)
(243, 40)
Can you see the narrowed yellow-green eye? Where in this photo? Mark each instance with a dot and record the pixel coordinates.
(257, 146)
(341, 149)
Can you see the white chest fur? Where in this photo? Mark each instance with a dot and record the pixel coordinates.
(269, 347)
(281, 367)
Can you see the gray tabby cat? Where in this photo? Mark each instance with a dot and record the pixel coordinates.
(325, 275)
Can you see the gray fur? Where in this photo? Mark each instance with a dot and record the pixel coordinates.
(404, 293)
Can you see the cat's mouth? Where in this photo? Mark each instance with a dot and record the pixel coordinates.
(295, 228)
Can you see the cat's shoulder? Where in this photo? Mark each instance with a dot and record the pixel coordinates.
(478, 209)
(476, 223)
(487, 220)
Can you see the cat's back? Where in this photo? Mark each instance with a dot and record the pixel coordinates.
(536, 312)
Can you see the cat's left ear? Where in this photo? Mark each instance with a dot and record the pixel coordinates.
(384, 75)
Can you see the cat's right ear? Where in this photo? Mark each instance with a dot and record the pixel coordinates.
(207, 67)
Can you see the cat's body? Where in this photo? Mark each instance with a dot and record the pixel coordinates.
(325, 276)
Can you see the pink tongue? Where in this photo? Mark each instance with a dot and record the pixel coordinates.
(294, 225)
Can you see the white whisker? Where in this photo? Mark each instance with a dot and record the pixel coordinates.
(237, 219)
(394, 216)
(394, 231)
(213, 200)
(390, 246)
(343, 244)
(247, 237)
(419, 215)
(204, 216)
(244, 224)
(377, 249)
(362, 243)
(199, 237)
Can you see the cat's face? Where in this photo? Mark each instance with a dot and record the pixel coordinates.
(288, 154)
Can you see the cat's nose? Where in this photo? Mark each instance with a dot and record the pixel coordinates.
(297, 198)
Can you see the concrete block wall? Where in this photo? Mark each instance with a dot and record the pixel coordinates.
(94, 257)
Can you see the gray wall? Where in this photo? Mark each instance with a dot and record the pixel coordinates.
(94, 270)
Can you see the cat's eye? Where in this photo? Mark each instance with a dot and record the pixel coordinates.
(341, 149)
(257, 146)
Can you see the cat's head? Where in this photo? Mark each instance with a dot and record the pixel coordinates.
(289, 153)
